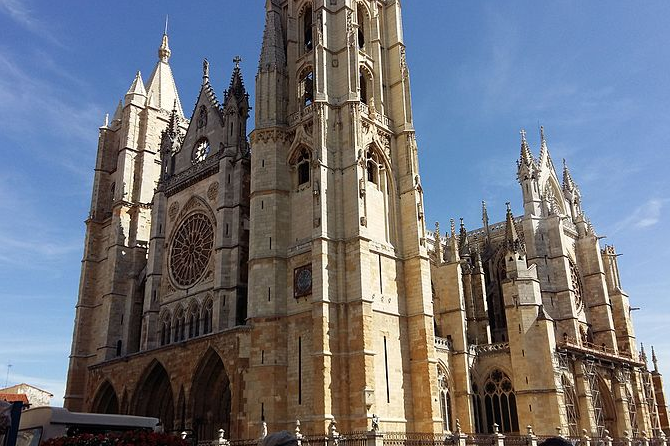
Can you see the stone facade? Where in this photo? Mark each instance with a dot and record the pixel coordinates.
(227, 284)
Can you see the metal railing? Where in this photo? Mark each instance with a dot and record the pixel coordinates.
(457, 438)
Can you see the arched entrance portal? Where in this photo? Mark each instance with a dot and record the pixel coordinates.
(210, 397)
(105, 400)
(153, 396)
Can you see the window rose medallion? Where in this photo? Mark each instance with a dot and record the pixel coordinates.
(191, 249)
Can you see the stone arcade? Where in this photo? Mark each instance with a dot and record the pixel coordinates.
(227, 283)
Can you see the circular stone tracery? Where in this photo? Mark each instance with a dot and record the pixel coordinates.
(191, 249)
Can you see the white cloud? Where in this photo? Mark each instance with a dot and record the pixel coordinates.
(20, 12)
(644, 216)
(62, 117)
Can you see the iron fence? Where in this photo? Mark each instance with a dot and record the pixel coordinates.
(445, 439)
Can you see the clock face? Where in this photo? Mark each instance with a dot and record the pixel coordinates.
(200, 151)
(303, 281)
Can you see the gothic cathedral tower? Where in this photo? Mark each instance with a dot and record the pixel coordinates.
(111, 291)
(339, 274)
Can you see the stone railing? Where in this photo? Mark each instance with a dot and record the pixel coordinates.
(374, 116)
(443, 343)
(487, 349)
(298, 116)
(598, 350)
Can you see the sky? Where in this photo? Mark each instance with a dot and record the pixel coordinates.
(594, 74)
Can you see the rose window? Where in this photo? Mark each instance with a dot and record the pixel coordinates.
(191, 249)
(576, 285)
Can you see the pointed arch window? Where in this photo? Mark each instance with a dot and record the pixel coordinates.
(500, 402)
(477, 409)
(372, 166)
(166, 329)
(207, 317)
(307, 88)
(308, 29)
(193, 322)
(445, 400)
(180, 326)
(303, 167)
(361, 27)
(364, 88)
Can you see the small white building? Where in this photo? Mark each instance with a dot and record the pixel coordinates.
(36, 397)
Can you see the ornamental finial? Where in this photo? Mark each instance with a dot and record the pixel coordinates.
(164, 50)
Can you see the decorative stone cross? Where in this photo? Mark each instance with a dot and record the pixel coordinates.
(523, 133)
(237, 61)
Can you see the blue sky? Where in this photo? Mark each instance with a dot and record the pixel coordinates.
(595, 74)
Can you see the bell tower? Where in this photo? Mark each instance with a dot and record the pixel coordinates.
(339, 274)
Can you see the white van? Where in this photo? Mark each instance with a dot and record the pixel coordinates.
(42, 423)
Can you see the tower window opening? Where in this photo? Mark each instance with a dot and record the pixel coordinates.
(364, 88)
(307, 24)
(361, 28)
(307, 87)
(303, 167)
(372, 167)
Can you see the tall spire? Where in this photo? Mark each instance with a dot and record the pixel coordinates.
(272, 52)
(164, 50)
(161, 88)
(236, 87)
(439, 252)
(544, 151)
(272, 80)
(568, 182)
(463, 243)
(526, 156)
(485, 220)
(511, 237)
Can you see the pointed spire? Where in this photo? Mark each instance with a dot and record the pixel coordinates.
(511, 237)
(106, 124)
(654, 359)
(272, 52)
(236, 87)
(118, 112)
(526, 156)
(544, 151)
(452, 227)
(643, 355)
(463, 244)
(568, 183)
(164, 52)
(161, 87)
(485, 220)
(439, 253)
(173, 125)
(137, 87)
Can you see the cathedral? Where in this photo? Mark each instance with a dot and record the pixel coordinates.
(233, 280)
